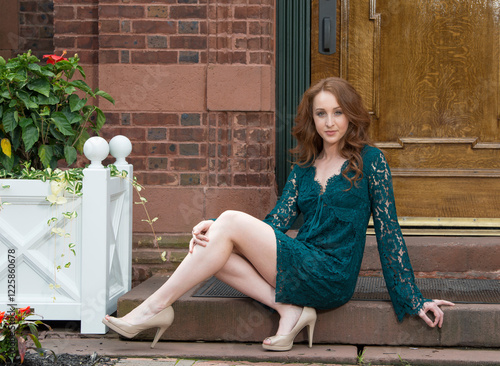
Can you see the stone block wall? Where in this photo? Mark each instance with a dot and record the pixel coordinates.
(194, 87)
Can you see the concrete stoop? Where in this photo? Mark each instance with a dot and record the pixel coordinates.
(361, 323)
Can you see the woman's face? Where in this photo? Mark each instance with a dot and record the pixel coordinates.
(331, 123)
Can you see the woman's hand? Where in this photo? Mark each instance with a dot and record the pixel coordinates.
(438, 313)
(199, 237)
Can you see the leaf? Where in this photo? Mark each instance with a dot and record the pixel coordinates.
(62, 123)
(35, 339)
(100, 120)
(67, 265)
(69, 90)
(25, 98)
(51, 99)
(73, 117)
(69, 154)
(9, 120)
(6, 147)
(6, 162)
(75, 103)
(21, 347)
(45, 154)
(30, 137)
(24, 122)
(82, 85)
(41, 86)
(105, 95)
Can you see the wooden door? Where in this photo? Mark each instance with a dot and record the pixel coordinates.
(429, 74)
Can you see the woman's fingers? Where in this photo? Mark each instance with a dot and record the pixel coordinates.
(433, 306)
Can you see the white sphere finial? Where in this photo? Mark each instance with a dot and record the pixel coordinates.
(120, 147)
(96, 149)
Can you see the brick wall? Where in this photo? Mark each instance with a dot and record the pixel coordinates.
(26, 25)
(194, 85)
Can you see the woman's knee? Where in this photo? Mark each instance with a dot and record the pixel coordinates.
(229, 220)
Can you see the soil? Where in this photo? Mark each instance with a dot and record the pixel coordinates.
(65, 359)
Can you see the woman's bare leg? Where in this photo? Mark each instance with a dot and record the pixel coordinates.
(242, 276)
(255, 275)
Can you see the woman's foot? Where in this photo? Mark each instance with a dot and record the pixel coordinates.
(140, 314)
(284, 341)
(288, 318)
(161, 320)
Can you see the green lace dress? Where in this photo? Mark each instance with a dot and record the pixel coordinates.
(319, 268)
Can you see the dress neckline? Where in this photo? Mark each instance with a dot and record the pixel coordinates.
(331, 178)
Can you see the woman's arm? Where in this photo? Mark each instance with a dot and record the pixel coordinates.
(286, 211)
(398, 273)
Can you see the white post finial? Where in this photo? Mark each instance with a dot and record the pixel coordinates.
(120, 147)
(96, 149)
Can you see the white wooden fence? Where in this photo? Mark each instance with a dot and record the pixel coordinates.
(100, 269)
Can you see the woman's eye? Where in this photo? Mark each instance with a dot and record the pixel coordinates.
(320, 114)
(338, 113)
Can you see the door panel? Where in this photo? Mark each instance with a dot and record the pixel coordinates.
(428, 72)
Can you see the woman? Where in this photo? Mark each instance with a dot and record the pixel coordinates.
(339, 180)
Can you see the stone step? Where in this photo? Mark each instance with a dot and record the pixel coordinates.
(356, 323)
(443, 257)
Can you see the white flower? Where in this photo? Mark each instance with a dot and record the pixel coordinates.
(57, 187)
(58, 231)
(53, 199)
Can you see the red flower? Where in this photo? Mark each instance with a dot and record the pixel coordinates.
(52, 59)
(25, 310)
(2, 314)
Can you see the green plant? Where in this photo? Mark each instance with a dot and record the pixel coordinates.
(361, 358)
(14, 332)
(44, 113)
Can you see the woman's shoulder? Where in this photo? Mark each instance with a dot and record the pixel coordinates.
(371, 153)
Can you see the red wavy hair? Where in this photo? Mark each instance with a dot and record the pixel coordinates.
(310, 143)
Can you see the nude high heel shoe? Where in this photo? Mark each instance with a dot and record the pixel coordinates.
(285, 342)
(162, 321)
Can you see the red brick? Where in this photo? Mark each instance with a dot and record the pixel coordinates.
(87, 42)
(188, 12)
(38, 19)
(157, 11)
(122, 11)
(28, 32)
(188, 42)
(154, 26)
(75, 27)
(122, 41)
(86, 12)
(64, 12)
(110, 26)
(239, 27)
(28, 6)
(154, 57)
(64, 42)
(188, 134)
(86, 57)
(133, 133)
(189, 164)
(162, 178)
(155, 119)
(109, 57)
(78, 2)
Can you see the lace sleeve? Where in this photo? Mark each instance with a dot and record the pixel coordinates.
(286, 211)
(398, 273)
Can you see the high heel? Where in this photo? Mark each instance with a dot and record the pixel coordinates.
(285, 342)
(162, 321)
